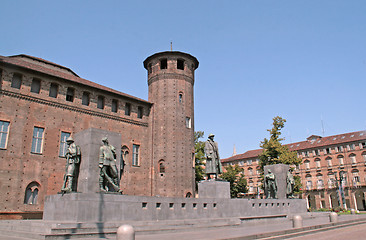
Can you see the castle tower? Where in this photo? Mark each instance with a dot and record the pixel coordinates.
(171, 80)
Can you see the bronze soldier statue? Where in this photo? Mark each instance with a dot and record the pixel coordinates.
(270, 185)
(213, 163)
(73, 156)
(108, 169)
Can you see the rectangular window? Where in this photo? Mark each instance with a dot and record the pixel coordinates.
(36, 85)
(163, 63)
(316, 152)
(53, 90)
(180, 64)
(70, 94)
(139, 112)
(85, 99)
(37, 140)
(135, 155)
(188, 122)
(306, 153)
(114, 105)
(249, 162)
(128, 109)
(4, 130)
(339, 148)
(100, 103)
(327, 151)
(63, 144)
(352, 147)
(16, 82)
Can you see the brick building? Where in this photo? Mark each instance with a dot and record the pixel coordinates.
(323, 159)
(43, 103)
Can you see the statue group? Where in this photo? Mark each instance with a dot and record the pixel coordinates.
(270, 185)
(108, 174)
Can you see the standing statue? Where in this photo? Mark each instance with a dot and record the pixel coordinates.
(108, 169)
(290, 184)
(213, 164)
(270, 185)
(73, 156)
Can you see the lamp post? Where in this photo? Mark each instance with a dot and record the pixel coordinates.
(340, 188)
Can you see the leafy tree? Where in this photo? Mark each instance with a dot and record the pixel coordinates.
(199, 147)
(298, 185)
(273, 151)
(235, 176)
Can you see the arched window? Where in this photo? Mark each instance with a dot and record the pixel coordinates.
(317, 162)
(31, 193)
(329, 161)
(364, 156)
(124, 157)
(309, 183)
(355, 178)
(161, 167)
(340, 160)
(319, 182)
(251, 186)
(353, 158)
(180, 97)
(307, 164)
(250, 171)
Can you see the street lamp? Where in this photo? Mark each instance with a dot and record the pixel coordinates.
(340, 188)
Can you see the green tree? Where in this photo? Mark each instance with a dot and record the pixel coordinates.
(273, 151)
(298, 185)
(235, 176)
(199, 148)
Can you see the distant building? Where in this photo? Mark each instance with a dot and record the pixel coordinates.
(323, 159)
(43, 103)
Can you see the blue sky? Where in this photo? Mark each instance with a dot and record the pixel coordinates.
(302, 60)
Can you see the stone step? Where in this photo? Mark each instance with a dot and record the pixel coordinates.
(66, 230)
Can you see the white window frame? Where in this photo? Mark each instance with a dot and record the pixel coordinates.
(37, 140)
(63, 143)
(135, 155)
(4, 134)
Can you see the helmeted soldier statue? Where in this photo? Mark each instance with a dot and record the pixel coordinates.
(270, 185)
(108, 168)
(73, 156)
(213, 164)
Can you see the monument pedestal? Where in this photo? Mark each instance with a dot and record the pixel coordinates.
(90, 141)
(280, 171)
(214, 189)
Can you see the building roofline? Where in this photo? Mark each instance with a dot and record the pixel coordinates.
(175, 53)
(303, 145)
(44, 61)
(68, 77)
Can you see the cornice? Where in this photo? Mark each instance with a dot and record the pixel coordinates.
(71, 108)
(170, 76)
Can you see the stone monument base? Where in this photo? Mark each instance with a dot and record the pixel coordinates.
(214, 189)
(100, 207)
(280, 171)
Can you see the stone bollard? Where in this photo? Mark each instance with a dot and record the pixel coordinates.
(297, 221)
(353, 211)
(333, 217)
(125, 232)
